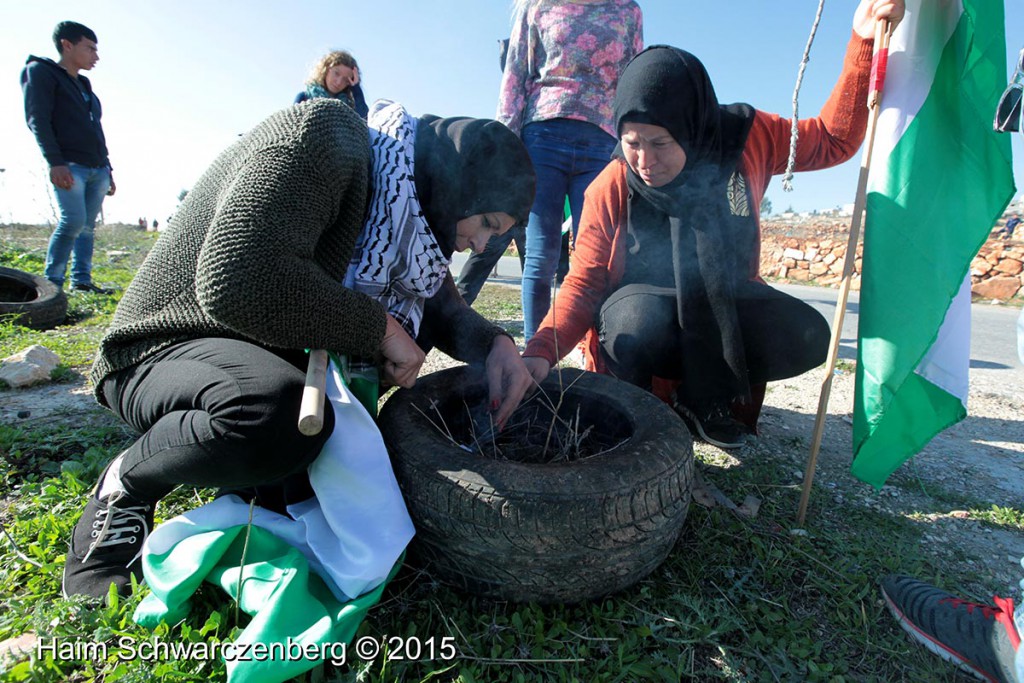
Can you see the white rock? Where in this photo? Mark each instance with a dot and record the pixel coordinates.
(31, 366)
(793, 254)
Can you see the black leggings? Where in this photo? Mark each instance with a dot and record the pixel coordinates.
(214, 413)
(640, 337)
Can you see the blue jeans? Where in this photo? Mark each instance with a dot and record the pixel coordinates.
(74, 234)
(567, 155)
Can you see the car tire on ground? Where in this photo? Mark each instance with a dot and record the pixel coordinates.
(34, 301)
(551, 533)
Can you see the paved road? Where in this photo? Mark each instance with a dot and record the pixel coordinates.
(995, 367)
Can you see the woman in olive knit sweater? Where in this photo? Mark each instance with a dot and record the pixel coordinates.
(312, 231)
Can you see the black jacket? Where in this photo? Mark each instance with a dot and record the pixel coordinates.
(64, 114)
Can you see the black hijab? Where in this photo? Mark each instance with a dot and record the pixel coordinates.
(668, 87)
(466, 167)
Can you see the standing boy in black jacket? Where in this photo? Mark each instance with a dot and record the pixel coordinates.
(64, 114)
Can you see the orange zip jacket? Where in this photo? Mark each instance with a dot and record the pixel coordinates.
(599, 256)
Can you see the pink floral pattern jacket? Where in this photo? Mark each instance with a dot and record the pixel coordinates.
(564, 60)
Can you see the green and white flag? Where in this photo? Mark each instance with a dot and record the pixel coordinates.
(940, 178)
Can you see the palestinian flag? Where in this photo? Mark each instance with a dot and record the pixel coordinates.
(940, 178)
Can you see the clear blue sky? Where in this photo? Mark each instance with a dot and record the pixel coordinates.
(179, 80)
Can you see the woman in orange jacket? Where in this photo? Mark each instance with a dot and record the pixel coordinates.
(664, 280)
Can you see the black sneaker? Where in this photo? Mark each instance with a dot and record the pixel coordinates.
(106, 546)
(91, 288)
(714, 425)
(980, 639)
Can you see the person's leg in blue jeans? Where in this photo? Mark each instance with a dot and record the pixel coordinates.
(73, 237)
(567, 155)
(96, 188)
(551, 155)
(591, 154)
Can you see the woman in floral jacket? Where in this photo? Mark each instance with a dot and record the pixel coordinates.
(563, 62)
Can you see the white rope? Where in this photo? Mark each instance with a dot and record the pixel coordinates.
(787, 179)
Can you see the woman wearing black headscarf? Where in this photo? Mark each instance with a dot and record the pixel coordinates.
(306, 233)
(664, 280)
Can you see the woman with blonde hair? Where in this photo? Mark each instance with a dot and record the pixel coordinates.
(336, 75)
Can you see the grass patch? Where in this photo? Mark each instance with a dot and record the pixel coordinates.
(500, 303)
(118, 252)
(942, 502)
(737, 599)
(847, 366)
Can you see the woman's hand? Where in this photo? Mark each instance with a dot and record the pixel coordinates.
(507, 379)
(870, 11)
(538, 367)
(402, 357)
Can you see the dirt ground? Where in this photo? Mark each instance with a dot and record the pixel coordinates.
(982, 458)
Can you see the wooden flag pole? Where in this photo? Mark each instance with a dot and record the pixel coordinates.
(883, 31)
(311, 410)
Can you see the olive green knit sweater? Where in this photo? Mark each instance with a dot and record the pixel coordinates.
(258, 249)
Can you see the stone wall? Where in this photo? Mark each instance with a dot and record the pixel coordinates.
(815, 253)
(996, 270)
(812, 252)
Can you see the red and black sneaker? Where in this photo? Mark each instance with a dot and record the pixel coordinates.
(980, 639)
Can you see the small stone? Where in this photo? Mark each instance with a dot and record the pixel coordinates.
(750, 506)
(798, 532)
(1010, 266)
(18, 647)
(22, 414)
(1003, 288)
(30, 366)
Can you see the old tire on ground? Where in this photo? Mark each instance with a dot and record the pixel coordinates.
(33, 300)
(542, 532)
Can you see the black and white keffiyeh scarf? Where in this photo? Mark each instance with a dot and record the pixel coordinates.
(397, 259)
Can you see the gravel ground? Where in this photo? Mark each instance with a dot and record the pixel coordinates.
(981, 459)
